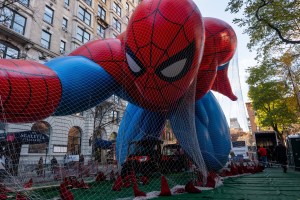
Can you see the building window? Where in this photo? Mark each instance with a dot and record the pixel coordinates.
(24, 2)
(67, 2)
(13, 20)
(59, 149)
(117, 25)
(80, 114)
(8, 51)
(126, 20)
(101, 31)
(127, 7)
(104, 1)
(117, 9)
(48, 16)
(116, 99)
(88, 2)
(65, 23)
(101, 12)
(18, 24)
(74, 141)
(115, 116)
(43, 128)
(84, 16)
(82, 35)
(62, 47)
(46, 39)
(114, 35)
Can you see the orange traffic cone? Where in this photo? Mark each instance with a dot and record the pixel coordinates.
(83, 185)
(65, 194)
(3, 196)
(28, 184)
(118, 184)
(165, 190)
(21, 197)
(137, 192)
(190, 188)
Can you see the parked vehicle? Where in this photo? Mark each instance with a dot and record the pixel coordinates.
(240, 150)
(173, 159)
(293, 144)
(267, 139)
(143, 157)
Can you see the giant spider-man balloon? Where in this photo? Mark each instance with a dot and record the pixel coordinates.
(168, 53)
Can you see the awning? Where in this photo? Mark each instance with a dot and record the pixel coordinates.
(27, 137)
(103, 144)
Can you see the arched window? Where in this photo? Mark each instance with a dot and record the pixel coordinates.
(74, 141)
(41, 127)
(8, 51)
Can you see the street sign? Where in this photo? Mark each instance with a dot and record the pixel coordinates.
(27, 137)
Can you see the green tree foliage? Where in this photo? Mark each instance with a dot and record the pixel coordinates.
(273, 28)
(269, 23)
(272, 101)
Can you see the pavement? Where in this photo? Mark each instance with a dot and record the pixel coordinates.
(272, 184)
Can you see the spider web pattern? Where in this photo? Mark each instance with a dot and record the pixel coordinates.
(109, 54)
(220, 53)
(161, 53)
(219, 48)
(19, 99)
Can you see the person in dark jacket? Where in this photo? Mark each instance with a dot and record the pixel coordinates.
(54, 164)
(40, 167)
(280, 156)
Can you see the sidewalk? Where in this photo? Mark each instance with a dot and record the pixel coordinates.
(48, 178)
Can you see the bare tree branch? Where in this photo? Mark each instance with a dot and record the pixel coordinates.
(5, 17)
(273, 26)
(5, 3)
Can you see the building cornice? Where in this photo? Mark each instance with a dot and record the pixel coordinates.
(11, 34)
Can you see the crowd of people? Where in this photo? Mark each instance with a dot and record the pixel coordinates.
(267, 156)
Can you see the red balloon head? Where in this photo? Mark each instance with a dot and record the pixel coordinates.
(164, 45)
(220, 43)
(219, 48)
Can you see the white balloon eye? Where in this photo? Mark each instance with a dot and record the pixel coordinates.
(135, 68)
(174, 69)
(177, 66)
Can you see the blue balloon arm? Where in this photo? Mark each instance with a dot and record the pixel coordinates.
(210, 135)
(84, 84)
(137, 124)
(212, 132)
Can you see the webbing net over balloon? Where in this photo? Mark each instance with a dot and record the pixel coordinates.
(164, 66)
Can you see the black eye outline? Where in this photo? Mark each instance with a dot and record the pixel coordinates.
(187, 53)
(136, 61)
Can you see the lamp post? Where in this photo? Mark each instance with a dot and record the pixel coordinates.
(46, 159)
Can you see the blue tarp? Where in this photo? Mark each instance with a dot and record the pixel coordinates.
(103, 144)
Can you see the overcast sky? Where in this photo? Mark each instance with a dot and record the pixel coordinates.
(243, 58)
